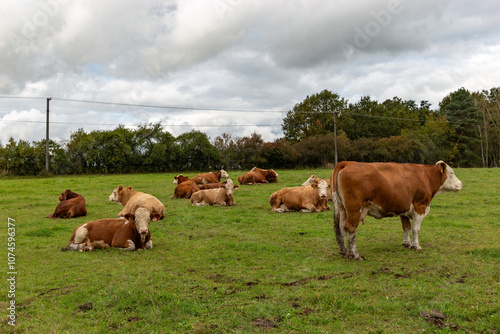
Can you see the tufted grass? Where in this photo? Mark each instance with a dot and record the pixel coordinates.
(245, 269)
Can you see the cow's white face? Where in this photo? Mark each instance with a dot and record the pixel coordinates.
(176, 180)
(230, 187)
(114, 195)
(452, 183)
(223, 174)
(323, 189)
(309, 181)
(141, 221)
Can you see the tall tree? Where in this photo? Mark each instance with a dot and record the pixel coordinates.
(464, 119)
(313, 116)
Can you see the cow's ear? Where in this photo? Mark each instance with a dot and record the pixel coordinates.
(442, 167)
(155, 216)
(129, 216)
(120, 188)
(129, 187)
(236, 186)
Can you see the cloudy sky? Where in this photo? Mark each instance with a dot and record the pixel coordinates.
(230, 66)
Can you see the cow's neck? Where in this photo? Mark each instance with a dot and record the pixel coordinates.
(127, 195)
(435, 178)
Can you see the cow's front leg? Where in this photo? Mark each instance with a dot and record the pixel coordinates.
(309, 208)
(406, 224)
(149, 244)
(417, 221)
(129, 245)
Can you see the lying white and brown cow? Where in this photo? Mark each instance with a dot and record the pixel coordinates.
(310, 198)
(222, 196)
(386, 190)
(212, 177)
(311, 179)
(132, 200)
(71, 205)
(129, 233)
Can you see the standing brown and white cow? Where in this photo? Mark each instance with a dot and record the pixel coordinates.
(211, 177)
(222, 196)
(386, 190)
(311, 198)
(128, 234)
(132, 200)
(71, 205)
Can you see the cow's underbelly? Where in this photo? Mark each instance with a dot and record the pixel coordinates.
(379, 212)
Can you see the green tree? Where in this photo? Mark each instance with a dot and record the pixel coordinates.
(313, 116)
(465, 120)
(196, 152)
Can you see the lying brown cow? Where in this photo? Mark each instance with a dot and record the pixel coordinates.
(386, 190)
(185, 189)
(132, 200)
(222, 196)
(128, 234)
(71, 205)
(305, 199)
(311, 179)
(250, 178)
(270, 175)
(212, 177)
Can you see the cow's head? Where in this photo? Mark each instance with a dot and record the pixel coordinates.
(309, 181)
(140, 219)
(229, 187)
(179, 179)
(64, 195)
(117, 194)
(223, 174)
(449, 181)
(322, 187)
(271, 176)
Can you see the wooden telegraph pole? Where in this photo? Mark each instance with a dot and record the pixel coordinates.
(47, 139)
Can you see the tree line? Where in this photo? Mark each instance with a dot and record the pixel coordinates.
(464, 131)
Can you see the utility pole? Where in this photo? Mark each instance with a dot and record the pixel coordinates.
(47, 139)
(335, 112)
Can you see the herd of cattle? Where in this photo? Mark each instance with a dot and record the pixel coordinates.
(356, 189)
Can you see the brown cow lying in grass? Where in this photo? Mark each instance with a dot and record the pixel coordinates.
(211, 177)
(258, 176)
(70, 205)
(128, 234)
(186, 189)
(222, 196)
(132, 200)
(305, 199)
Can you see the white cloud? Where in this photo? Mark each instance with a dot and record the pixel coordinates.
(232, 54)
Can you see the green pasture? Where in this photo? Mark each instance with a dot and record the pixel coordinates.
(245, 269)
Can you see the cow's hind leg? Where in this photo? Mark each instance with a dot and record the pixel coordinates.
(338, 223)
(353, 250)
(406, 224)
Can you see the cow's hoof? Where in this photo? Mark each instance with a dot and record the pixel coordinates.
(407, 244)
(356, 257)
(416, 247)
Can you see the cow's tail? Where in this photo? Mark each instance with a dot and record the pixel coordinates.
(339, 206)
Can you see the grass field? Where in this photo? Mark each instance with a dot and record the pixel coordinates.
(245, 269)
